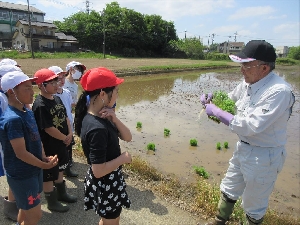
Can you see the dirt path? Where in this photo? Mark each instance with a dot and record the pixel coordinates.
(146, 208)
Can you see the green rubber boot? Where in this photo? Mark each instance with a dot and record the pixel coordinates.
(53, 204)
(62, 194)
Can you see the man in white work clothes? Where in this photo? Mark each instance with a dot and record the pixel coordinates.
(264, 104)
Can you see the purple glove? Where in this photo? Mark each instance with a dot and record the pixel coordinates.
(206, 99)
(224, 117)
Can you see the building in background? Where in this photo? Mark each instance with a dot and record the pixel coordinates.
(10, 14)
(14, 30)
(282, 51)
(230, 47)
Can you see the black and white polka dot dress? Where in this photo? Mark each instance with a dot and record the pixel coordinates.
(105, 194)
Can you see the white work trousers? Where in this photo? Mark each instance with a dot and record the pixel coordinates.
(252, 174)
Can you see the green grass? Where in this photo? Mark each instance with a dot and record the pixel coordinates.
(13, 54)
(287, 61)
(194, 66)
(218, 146)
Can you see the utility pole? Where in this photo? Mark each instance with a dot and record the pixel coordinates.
(30, 30)
(102, 14)
(167, 34)
(87, 7)
(208, 42)
(228, 44)
(235, 34)
(185, 35)
(212, 38)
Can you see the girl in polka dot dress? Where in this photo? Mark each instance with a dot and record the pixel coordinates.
(99, 129)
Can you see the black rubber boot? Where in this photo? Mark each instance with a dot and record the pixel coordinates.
(10, 209)
(53, 204)
(62, 194)
(69, 173)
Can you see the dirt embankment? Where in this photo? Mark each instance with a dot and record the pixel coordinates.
(30, 66)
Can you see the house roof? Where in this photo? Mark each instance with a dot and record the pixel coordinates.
(65, 38)
(237, 44)
(19, 7)
(233, 44)
(38, 24)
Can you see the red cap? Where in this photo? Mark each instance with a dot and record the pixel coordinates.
(98, 78)
(44, 75)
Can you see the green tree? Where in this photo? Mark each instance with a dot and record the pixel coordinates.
(124, 28)
(87, 28)
(294, 53)
(189, 47)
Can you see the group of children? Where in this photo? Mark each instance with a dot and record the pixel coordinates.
(37, 140)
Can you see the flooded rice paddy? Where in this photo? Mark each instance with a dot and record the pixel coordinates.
(172, 101)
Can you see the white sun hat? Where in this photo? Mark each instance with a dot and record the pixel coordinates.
(12, 79)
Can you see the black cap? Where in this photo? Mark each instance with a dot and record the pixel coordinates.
(255, 50)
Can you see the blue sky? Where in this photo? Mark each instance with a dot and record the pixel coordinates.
(276, 21)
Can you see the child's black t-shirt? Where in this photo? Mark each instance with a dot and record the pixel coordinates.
(99, 139)
(50, 113)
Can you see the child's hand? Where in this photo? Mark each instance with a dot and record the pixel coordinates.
(68, 139)
(126, 157)
(107, 113)
(50, 162)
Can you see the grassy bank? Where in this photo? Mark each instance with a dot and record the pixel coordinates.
(171, 68)
(14, 54)
(200, 198)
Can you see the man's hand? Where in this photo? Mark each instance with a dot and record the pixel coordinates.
(223, 116)
(211, 109)
(206, 98)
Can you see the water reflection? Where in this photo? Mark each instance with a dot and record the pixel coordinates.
(172, 101)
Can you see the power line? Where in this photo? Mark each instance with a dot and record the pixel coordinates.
(65, 4)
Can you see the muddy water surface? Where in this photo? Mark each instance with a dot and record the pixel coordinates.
(172, 101)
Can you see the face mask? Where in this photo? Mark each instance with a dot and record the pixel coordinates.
(76, 75)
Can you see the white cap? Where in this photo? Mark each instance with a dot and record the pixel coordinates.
(8, 68)
(9, 62)
(56, 69)
(12, 79)
(73, 63)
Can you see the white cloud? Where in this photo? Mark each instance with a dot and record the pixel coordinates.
(251, 12)
(287, 28)
(226, 29)
(277, 17)
(246, 33)
(173, 9)
(254, 25)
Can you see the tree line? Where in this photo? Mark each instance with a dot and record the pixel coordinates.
(129, 33)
